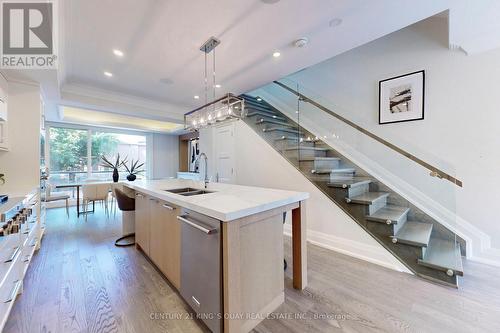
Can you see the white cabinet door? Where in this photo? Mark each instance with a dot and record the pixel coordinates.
(4, 143)
(3, 108)
(3, 123)
(224, 153)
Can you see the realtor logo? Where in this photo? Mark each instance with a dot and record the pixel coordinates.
(28, 35)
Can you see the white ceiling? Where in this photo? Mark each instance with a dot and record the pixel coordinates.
(163, 67)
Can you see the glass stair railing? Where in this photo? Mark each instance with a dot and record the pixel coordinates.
(425, 246)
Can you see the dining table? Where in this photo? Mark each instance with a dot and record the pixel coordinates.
(77, 185)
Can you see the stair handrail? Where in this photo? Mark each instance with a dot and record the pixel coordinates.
(434, 171)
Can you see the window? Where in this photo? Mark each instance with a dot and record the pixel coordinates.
(130, 147)
(68, 155)
(75, 153)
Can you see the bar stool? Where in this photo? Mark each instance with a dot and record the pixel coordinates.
(127, 205)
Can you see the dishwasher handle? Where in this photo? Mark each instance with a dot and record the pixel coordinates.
(193, 223)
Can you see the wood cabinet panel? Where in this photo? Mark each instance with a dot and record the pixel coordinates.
(165, 240)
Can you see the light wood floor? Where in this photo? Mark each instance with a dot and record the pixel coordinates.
(80, 282)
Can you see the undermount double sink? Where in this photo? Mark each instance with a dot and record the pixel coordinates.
(188, 191)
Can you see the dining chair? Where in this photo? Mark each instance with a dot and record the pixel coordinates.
(95, 193)
(50, 197)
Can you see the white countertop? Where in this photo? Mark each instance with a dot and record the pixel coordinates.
(227, 202)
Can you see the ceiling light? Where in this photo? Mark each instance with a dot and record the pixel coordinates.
(118, 53)
(217, 110)
(270, 2)
(301, 42)
(335, 22)
(276, 54)
(108, 74)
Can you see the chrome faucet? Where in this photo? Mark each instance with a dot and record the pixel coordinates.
(206, 168)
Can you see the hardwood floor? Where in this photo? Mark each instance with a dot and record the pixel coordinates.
(80, 282)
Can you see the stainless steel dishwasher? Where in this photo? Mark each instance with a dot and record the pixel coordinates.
(201, 267)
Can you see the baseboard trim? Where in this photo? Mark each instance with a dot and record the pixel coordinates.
(348, 247)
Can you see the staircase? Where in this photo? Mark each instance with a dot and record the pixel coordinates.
(421, 243)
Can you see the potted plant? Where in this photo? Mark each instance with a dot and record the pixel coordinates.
(115, 166)
(133, 170)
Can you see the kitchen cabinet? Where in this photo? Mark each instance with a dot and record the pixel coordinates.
(142, 221)
(3, 108)
(3, 124)
(222, 250)
(165, 239)
(17, 249)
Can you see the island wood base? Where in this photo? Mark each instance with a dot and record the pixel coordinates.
(252, 259)
(252, 256)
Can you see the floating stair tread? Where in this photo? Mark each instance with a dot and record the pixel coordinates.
(274, 122)
(389, 212)
(307, 148)
(338, 170)
(348, 182)
(251, 108)
(327, 159)
(320, 158)
(295, 138)
(415, 233)
(252, 99)
(280, 129)
(265, 114)
(260, 108)
(291, 137)
(443, 254)
(257, 104)
(288, 137)
(369, 197)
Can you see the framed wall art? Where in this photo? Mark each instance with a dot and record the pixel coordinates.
(401, 98)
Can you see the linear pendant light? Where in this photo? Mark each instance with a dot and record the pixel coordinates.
(225, 108)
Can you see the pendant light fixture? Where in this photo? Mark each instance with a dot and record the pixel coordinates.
(225, 108)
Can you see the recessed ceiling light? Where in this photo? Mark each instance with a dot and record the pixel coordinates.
(118, 53)
(276, 54)
(108, 74)
(270, 2)
(196, 97)
(218, 86)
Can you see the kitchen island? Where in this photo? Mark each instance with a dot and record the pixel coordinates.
(221, 247)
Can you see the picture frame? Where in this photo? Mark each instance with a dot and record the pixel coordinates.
(401, 98)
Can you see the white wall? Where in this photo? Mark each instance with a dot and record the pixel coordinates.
(461, 129)
(21, 163)
(164, 156)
